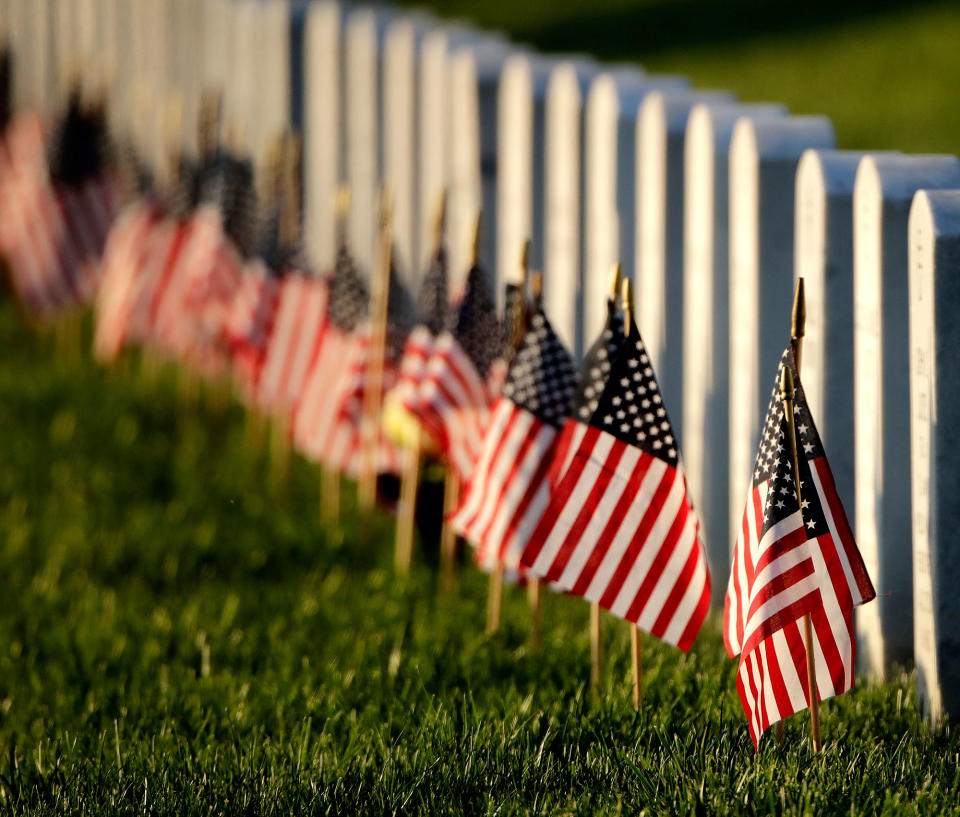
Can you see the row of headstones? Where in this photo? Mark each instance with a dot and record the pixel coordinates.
(713, 207)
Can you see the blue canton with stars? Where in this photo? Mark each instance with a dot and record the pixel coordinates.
(631, 408)
(597, 363)
(541, 377)
(773, 458)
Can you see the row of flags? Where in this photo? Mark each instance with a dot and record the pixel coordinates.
(571, 475)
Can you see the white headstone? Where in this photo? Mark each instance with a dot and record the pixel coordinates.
(610, 139)
(362, 44)
(217, 48)
(272, 84)
(323, 114)
(764, 154)
(239, 102)
(934, 257)
(706, 355)
(520, 162)
(475, 71)
(434, 129)
(401, 113)
(563, 195)
(661, 131)
(823, 257)
(883, 192)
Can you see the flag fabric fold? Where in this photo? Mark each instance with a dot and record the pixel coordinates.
(793, 557)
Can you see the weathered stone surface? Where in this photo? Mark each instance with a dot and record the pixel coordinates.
(563, 199)
(661, 132)
(934, 257)
(610, 139)
(706, 356)
(763, 166)
(883, 193)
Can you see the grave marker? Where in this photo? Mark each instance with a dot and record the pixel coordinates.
(563, 197)
(764, 154)
(706, 355)
(610, 139)
(883, 193)
(323, 116)
(520, 161)
(661, 130)
(934, 276)
(475, 71)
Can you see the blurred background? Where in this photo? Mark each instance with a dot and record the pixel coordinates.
(885, 71)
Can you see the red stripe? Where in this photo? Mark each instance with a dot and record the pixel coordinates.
(599, 551)
(637, 541)
(683, 580)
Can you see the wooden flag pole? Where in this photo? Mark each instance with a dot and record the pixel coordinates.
(787, 393)
(533, 583)
(373, 391)
(797, 328)
(636, 666)
(410, 479)
(495, 593)
(596, 631)
(329, 478)
(448, 539)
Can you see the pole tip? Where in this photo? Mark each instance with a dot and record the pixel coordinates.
(440, 219)
(616, 275)
(475, 247)
(786, 383)
(799, 317)
(536, 289)
(626, 302)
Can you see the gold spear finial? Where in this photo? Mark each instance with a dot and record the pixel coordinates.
(475, 246)
(798, 321)
(787, 390)
(616, 275)
(440, 220)
(627, 303)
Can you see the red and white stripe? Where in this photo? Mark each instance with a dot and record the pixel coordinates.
(776, 580)
(249, 322)
(621, 532)
(124, 258)
(508, 490)
(454, 403)
(52, 236)
(293, 344)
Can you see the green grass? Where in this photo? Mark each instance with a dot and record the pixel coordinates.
(178, 637)
(884, 71)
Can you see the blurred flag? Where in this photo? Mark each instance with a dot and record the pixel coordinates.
(620, 529)
(791, 559)
(55, 216)
(462, 377)
(509, 490)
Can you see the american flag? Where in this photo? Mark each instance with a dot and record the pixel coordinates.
(462, 377)
(121, 281)
(249, 323)
(591, 381)
(295, 337)
(509, 490)
(432, 308)
(54, 219)
(792, 558)
(620, 529)
(321, 431)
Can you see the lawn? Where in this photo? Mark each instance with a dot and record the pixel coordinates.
(180, 635)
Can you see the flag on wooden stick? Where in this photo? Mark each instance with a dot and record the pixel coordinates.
(462, 377)
(509, 490)
(794, 556)
(620, 529)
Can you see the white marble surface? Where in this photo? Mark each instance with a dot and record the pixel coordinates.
(706, 357)
(883, 192)
(934, 259)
